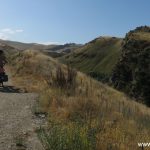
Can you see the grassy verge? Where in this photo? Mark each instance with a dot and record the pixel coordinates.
(82, 113)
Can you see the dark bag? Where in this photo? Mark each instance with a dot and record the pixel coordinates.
(4, 78)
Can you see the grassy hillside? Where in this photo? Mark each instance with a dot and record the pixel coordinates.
(24, 46)
(82, 113)
(97, 57)
(51, 50)
(61, 50)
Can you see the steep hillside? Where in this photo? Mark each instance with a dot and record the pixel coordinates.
(132, 72)
(97, 57)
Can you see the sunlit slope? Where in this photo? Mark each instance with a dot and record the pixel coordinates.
(98, 56)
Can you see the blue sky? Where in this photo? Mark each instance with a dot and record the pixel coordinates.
(63, 21)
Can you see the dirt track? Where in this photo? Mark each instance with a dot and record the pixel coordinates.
(17, 122)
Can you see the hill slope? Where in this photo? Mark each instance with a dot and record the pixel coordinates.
(132, 72)
(97, 57)
(52, 50)
(17, 45)
(84, 115)
(24, 46)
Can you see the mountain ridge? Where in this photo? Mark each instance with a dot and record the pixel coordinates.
(42, 47)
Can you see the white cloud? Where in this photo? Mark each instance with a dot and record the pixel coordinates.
(19, 30)
(11, 31)
(3, 37)
(6, 33)
(8, 30)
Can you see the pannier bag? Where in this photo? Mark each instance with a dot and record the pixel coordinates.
(4, 78)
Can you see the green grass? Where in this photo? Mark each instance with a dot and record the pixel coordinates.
(70, 137)
(99, 56)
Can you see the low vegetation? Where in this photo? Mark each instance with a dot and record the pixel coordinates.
(82, 113)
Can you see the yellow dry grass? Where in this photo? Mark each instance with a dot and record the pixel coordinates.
(118, 122)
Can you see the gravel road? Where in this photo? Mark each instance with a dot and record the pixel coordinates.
(17, 122)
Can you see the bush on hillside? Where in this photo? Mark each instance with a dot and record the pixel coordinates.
(62, 79)
(99, 76)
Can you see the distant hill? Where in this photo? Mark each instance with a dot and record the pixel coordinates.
(97, 58)
(64, 48)
(52, 50)
(132, 72)
(7, 49)
(20, 45)
(61, 50)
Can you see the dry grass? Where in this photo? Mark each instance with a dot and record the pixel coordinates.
(92, 115)
(141, 36)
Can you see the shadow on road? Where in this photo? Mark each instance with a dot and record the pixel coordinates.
(9, 89)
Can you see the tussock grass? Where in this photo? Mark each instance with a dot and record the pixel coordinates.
(87, 115)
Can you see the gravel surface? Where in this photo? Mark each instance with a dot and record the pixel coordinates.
(17, 121)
